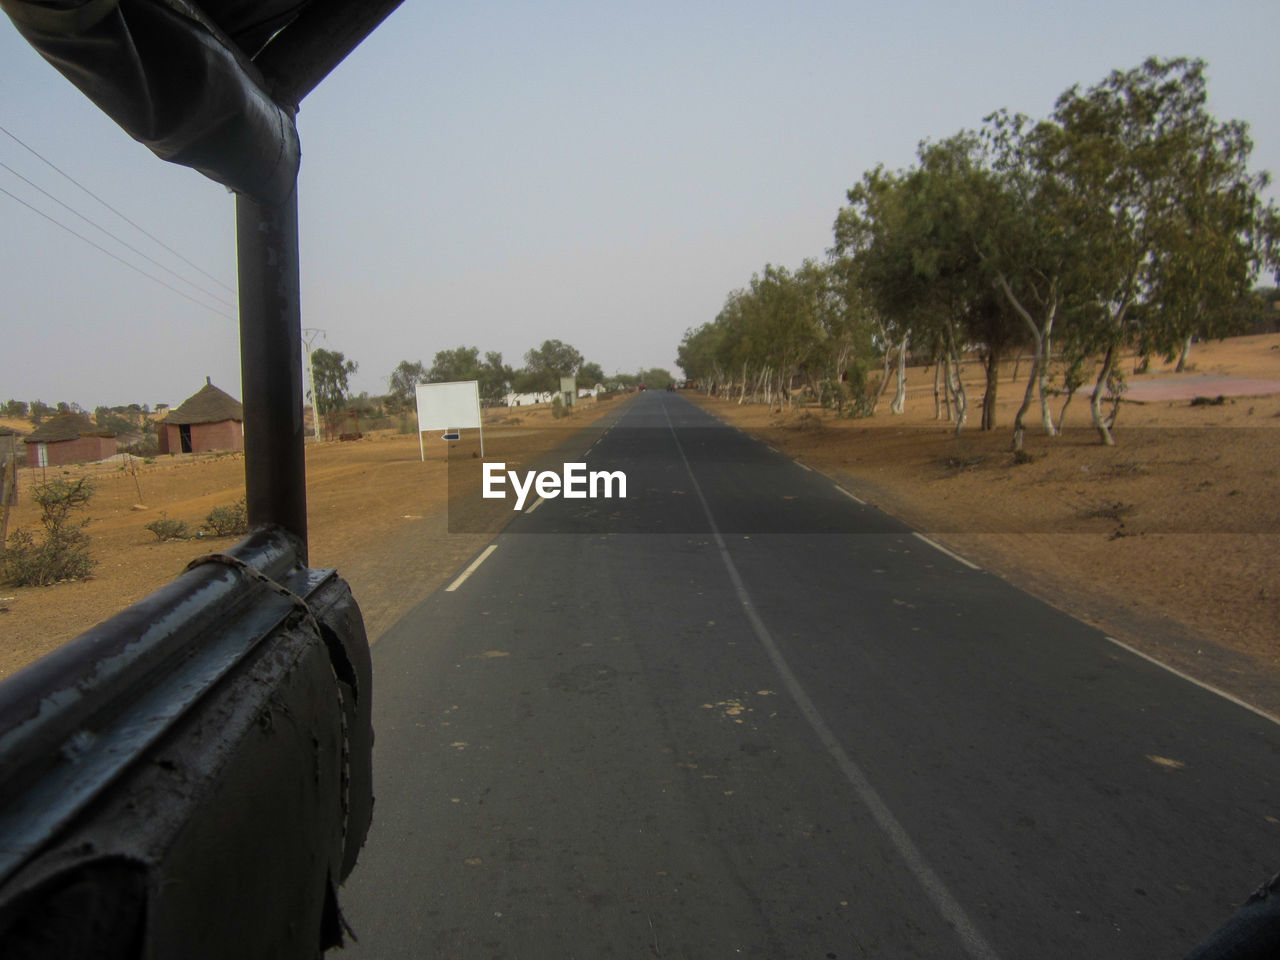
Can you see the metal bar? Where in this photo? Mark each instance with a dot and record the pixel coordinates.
(303, 54)
(271, 364)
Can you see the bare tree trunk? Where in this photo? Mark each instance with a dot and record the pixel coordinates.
(1019, 429)
(1062, 414)
(993, 381)
(957, 369)
(937, 399)
(884, 384)
(1095, 402)
(948, 394)
(900, 395)
(1182, 357)
(1042, 375)
(1017, 361)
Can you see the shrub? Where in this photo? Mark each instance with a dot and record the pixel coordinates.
(558, 408)
(64, 553)
(166, 529)
(228, 521)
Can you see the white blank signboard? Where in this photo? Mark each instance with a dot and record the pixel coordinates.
(442, 406)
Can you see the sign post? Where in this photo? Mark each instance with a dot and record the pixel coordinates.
(450, 407)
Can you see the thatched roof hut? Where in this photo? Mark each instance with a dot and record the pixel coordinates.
(207, 405)
(68, 438)
(210, 419)
(66, 426)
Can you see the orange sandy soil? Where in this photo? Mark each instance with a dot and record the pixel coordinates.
(1167, 541)
(376, 512)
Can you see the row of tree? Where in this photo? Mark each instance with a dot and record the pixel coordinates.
(123, 419)
(1129, 219)
(544, 366)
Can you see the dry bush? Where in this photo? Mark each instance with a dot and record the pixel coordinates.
(166, 528)
(64, 552)
(229, 521)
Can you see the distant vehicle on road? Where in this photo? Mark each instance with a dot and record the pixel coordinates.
(671, 388)
(643, 387)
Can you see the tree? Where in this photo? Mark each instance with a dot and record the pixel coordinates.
(495, 378)
(1173, 223)
(403, 383)
(17, 409)
(545, 365)
(911, 237)
(332, 371)
(590, 374)
(450, 366)
(40, 411)
(656, 378)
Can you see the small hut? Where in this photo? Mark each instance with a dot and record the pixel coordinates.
(209, 419)
(68, 438)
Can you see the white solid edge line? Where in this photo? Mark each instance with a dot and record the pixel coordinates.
(939, 547)
(536, 504)
(849, 495)
(462, 578)
(805, 466)
(1190, 679)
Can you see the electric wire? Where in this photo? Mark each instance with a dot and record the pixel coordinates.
(124, 243)
(131, 266)
(126, 219)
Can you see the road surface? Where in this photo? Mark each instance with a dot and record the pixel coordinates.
(740, 714)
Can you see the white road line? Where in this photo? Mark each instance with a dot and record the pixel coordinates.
(1199, 683)
(940, 548)
(850, 495)
(475, 564)
(536, 504)
(805, 466)
(975, 945)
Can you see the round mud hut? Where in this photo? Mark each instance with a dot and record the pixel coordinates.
(68, 438)
(210, 419)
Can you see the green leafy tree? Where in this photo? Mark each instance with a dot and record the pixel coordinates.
(449, 366)
(1174, 224)
(332, 372)
(656, 378)
(545, 365)
(495, 377)
(403, 383)
(590, 374)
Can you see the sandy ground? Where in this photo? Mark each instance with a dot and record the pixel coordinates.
(1167, 541)
(376, 512)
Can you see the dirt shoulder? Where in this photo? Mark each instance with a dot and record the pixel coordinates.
(1166, 541)
(377, 513)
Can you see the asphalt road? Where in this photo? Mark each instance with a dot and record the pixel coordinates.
(739, 714)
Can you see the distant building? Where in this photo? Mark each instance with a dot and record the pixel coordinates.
(209, 419)
(526, 399)
(68, 438)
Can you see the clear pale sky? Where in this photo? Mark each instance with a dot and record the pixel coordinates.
(499, 174)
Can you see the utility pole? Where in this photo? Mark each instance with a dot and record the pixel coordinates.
(310, 336)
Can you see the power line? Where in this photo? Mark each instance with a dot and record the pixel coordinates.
(97, 226)
(131, 266)
(140, 229)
